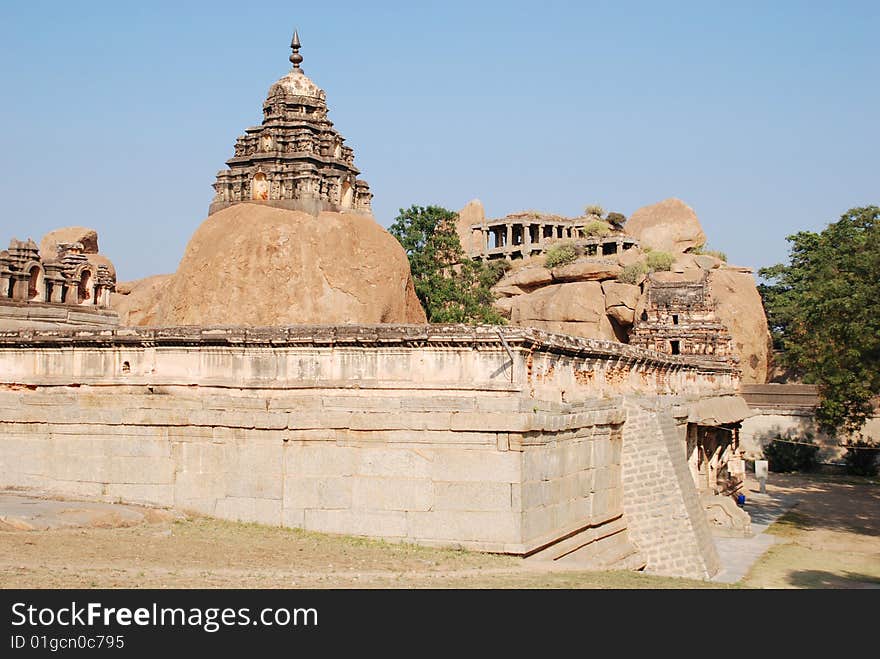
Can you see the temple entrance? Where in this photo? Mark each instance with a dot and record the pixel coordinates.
(35, 285)
(346, 197)
(260, 187)
(85, 286)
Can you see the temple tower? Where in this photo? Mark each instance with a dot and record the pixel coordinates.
(295, 159)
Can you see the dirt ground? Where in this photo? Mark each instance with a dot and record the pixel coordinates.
(831, 539)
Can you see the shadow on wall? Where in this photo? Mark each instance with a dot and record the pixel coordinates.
(759, 431)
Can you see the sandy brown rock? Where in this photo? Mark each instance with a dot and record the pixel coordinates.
(137, 302)
(507, 291)
(670, 225)
(739, 307)
(575, 308)
(88, 238)
(528, 277)
(49, 242)
(583, 270)
(504, 305)
(620, 301)
(255, 265)
(471, 214)
(707, 262)
(630, 256)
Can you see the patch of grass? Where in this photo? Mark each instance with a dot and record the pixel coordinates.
(633, 273)
(789, 524)
(659, 261)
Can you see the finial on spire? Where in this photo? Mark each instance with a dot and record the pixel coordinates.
(295, 59)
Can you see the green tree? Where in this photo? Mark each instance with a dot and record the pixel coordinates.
(451, 287)
(824, 312)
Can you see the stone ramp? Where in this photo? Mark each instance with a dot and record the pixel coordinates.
(738, 555)
(20, 512)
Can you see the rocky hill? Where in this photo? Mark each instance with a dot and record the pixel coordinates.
(604, 296)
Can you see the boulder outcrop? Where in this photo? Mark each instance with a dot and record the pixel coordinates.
(738, 306)
(670, 225)
(255, 265)
(137, 302)
(87, 237)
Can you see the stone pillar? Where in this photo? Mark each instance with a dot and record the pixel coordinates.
(21, 281)
(541, 233)
(4, 285)
(619, 249)
(527, 239)
(72, 297)
(57, 291)
(509, 243)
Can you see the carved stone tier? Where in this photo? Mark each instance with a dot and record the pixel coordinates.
(69, 278)
(679, 318)
(296, 159)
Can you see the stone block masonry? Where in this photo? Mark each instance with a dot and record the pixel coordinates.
(496, 439)
(666, 519)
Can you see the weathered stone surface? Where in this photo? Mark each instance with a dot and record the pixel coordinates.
(619, 294)
(739, 308)
(528, 277)
(630, 256)
(707, 262)
(255, 265)
(49, 242)
(670, 225)
(137, 302)
(504, 305)
(87, 237)
(584, 270)
(621, 301)
(507, 291)
(471, 214)
(576, 308)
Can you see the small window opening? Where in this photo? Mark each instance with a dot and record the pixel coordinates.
(675, 319)
(126, 367)
(676, 350)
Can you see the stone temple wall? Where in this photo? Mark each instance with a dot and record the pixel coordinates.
(37, 315)
(506, 440)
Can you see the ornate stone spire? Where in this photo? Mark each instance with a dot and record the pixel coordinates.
(295, 58)
(296, 159)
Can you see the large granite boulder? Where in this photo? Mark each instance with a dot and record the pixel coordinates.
(137, 302)
(472, 213)
(621, 301)
(529, 277)
(49, 242)
(586, 270)
(88, 238)
(576, 308)
(738, 306)
(255, 265)
(670, 226)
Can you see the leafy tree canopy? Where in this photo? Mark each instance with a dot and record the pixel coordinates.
(824, 313)
(451, 287)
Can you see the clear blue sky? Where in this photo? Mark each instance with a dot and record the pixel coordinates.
(763, 116)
